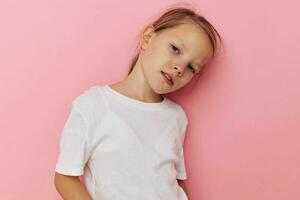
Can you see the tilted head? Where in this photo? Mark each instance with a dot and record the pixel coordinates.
(180, 43)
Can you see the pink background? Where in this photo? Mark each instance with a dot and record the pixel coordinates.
(243, 138)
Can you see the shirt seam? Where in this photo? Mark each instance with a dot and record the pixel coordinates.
(86, 123)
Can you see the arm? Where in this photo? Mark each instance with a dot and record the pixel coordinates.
(70, 187)
(181, 183)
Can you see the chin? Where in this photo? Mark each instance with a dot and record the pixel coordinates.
(158, 88)
(164, 89)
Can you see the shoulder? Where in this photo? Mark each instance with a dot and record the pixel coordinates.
(181, 120)
(88, 98)
(179, 112)
(182, 114)
(90, 102)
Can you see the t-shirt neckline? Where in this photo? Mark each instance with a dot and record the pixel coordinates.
(135, 102)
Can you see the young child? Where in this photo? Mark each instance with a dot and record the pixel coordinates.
(127, 138)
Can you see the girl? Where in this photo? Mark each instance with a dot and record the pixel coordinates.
(127, 138)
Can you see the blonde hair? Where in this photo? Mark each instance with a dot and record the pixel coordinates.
(177, 15)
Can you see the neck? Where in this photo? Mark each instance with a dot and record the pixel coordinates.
(136, 86)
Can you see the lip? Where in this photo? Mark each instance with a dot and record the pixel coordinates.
(170, 82)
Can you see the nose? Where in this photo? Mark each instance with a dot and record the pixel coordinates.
(180, 69)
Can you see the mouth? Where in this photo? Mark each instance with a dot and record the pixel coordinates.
(168, 78)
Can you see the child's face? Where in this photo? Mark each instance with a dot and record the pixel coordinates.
(180, 51)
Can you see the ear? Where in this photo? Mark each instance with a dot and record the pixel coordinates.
(146, 36)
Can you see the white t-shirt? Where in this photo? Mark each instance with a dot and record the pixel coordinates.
(126, 149)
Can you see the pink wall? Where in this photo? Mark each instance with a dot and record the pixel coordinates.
(243, 138)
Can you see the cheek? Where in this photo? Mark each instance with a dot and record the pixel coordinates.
(189, 78)
(154, 59)
(186, 80)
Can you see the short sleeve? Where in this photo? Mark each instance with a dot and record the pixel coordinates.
(180, 165)
(74, 146)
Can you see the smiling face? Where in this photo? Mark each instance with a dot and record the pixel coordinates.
(179, 51)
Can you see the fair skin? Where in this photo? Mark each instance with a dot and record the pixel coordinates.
(70, 187)
(145, 82)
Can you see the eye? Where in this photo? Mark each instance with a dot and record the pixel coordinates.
(193, 70)
(174, 48)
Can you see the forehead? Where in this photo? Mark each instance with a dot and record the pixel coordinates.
(191, 37)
